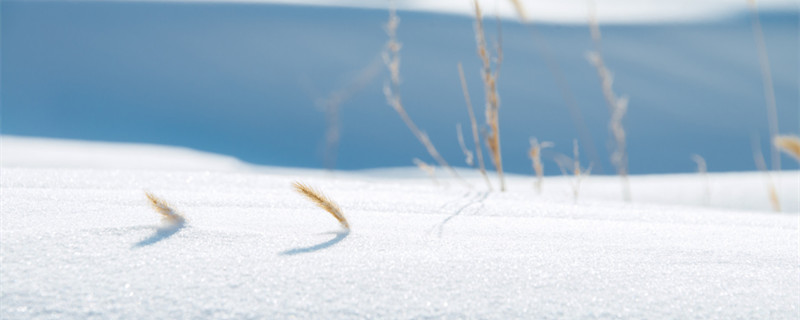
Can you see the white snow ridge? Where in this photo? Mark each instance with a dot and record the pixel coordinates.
(78, 240)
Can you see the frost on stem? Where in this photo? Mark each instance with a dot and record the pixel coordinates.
(617, 106)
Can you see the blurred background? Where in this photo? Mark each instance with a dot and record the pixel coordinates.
(300, 83)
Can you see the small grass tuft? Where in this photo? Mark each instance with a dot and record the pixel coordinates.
(322, 201)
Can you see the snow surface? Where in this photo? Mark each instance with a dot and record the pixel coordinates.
(562, 11)
(79, 241)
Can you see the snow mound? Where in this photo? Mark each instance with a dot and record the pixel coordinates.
(79, 241)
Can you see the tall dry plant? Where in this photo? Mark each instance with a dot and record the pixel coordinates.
(168, 214)
(790, 144)
(489, 76)
(766, 75)
(577, 173)
(702, 170)
(617, 106)
(772, 192)
(391, 58)
(322, 201)
(535, 153)
(474, 123)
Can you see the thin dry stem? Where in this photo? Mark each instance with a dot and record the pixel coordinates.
(322, 201)
(474, 123)
(578, 174)
(772, 192)
(428, 169)
(332, 104)
(523, 16)
(535, 154)
(790, 144)
(489, 77)
(617, 106)
(766, 75)
(168, 214)
(391, 57)
(702, 170)
(467, 153)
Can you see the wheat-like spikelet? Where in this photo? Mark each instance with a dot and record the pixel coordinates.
(535, 154)
(789, 144)
(492, 98)
(474, 123)
(322, 201)
(618, 106)
(168, 214)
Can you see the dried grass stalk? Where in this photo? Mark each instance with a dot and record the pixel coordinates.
(428, 169)
(333, 103)
(474, 123)
(322, 201)
(523, 16)
(467, 153)
(766, 75)
(578, 174)
(772, 192)
(492, 98)
(789, 144)
(702, 170)
(391, 58)
(535, 154)
(168, 214)
(617, 106)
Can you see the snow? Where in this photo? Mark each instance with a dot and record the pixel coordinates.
(564, 11)
(78, 240)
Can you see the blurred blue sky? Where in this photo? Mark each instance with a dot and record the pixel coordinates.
(246, 80)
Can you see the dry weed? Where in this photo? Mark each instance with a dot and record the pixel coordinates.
(474, 123)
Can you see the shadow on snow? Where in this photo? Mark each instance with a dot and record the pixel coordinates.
(161, 233)
(340, 235)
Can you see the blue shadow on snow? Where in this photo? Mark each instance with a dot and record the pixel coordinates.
(161, 233)
(340, 235)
